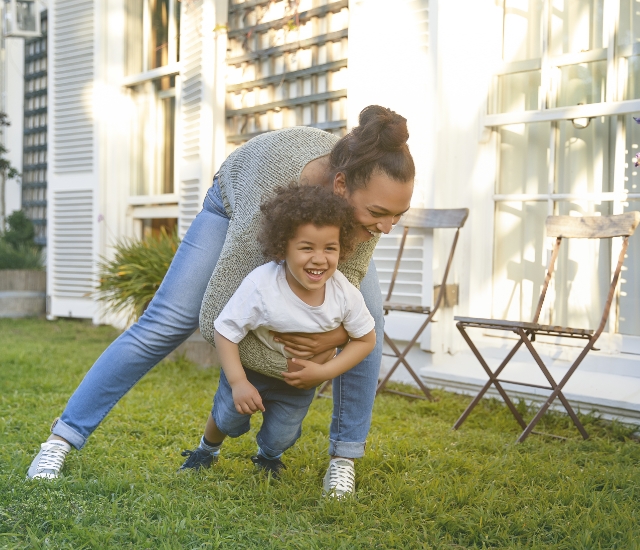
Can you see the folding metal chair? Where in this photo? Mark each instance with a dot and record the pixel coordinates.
(589, 227)
(419, 218)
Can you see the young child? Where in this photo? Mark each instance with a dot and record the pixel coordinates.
(306, 230)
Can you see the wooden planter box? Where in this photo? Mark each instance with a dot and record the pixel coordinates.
(22, 292)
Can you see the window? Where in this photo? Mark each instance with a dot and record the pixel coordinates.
(561, 105)
(151, 68)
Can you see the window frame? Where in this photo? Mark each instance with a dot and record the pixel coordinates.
(151, 75)
(613, 106)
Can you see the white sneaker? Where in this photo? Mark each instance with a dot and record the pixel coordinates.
(340, 479)
(48, 462)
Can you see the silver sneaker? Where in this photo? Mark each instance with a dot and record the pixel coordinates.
(48, 462)
(340, 479)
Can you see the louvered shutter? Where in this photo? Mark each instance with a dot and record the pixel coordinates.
(72, 176)
(197, 106)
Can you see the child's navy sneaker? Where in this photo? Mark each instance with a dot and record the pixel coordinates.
(197, 459)
(273, 466)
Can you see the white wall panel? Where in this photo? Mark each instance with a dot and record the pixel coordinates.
(72, 171)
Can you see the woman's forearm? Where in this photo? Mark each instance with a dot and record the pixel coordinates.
(352, 354)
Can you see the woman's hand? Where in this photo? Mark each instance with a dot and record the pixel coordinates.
(309, 376)
(246, 398)
(304, 345)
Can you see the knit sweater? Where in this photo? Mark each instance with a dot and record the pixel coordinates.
(247, 178)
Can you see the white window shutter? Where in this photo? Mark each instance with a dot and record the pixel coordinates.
(196, 107)
(72, 175)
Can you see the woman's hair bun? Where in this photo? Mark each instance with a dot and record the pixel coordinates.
(389, 127)
(378, 143)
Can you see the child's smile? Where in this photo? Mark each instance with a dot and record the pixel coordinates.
(312, 258)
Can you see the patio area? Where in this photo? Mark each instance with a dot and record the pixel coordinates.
(420, 484)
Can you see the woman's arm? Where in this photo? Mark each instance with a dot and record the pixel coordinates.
(305, 346)
(246, 398)
(313, 374)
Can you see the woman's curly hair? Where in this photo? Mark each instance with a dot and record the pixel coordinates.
(298, 205)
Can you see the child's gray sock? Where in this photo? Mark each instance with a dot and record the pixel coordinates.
(213, 448)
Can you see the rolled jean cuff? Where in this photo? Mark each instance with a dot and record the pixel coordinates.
(347, 449)
(64, 430)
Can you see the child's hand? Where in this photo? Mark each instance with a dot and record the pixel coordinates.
(309, 376)
(246, 398)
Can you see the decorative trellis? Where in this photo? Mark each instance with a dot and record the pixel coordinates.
(34, 164)
(287, 63)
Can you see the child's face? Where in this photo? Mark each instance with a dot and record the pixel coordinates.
(312, 256)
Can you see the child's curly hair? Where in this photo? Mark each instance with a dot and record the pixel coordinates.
(298, 205)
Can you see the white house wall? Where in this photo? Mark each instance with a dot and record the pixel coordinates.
(391, 63)
(468, 39)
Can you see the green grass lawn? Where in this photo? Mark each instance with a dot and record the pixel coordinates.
(420, 485)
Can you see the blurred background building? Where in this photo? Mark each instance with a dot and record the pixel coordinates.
(517, 109)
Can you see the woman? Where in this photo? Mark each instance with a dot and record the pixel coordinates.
(371, 167)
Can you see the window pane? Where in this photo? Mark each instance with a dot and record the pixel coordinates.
(153, 142)
(519, 259)
(629, 312)
(629, 22)
(583, 157)
(166, 156)
(632, 85)
(152, 228)
(582, 84)
(133, 45)
(576, 26)
(159, 50)
(524, 158)
(583, 272)
(518, 92)
(629, 319)
(522, 29)
(631, 177)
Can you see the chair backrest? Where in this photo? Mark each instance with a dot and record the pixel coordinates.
(589, 227)
(430, 218)
(593, 227)
(435, 218)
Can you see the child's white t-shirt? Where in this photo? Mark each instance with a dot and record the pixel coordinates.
(264, 301)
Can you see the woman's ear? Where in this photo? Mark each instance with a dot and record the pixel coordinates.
(340, 184)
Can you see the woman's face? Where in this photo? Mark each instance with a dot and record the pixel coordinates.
(379, 205)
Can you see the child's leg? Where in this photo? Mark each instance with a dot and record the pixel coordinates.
(285, 409)
(212, 435)
(223, 421)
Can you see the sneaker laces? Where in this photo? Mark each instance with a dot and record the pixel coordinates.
(342, 476)
(52, 458)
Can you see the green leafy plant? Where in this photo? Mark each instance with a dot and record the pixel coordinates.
(130, 280)
(17, 249)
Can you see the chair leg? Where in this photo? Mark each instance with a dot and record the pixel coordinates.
(492, 381)
(401, 359)
(557, 392)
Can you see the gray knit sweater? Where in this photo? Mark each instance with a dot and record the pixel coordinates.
(247, 178)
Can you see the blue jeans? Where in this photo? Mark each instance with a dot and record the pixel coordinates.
(284, 410)
(172, 316)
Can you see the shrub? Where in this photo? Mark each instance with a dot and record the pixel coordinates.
(22, 257)
(17, 249)
(130, 280)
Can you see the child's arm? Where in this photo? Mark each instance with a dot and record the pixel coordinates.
(313, 374)
(245, 396)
